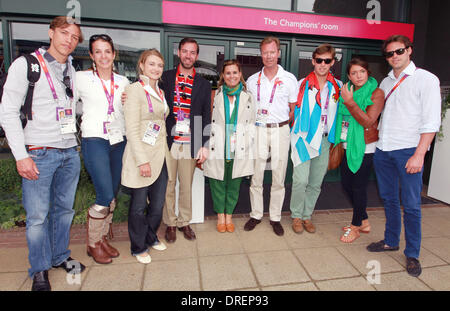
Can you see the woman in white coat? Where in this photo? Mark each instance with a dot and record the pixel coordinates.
(230, 145)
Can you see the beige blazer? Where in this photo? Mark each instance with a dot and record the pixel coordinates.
(137, 152)
(244, 154)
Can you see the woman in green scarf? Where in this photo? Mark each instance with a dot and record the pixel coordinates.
(360, 105)
(230, 145)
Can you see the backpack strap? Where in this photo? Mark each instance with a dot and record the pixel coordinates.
(33, 75)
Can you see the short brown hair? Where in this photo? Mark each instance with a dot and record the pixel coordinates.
(188, 40)
(229, 63)
(396, 38)
(144, 56)
(324, 48)
(358, 61)
(270, 39)
(66, 21)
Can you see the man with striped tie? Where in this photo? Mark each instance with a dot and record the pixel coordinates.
(311, 135)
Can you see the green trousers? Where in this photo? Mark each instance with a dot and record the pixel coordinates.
(225, 193)
(306, 183)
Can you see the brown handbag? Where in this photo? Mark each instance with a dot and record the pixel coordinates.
(371, 134)
(336, 155)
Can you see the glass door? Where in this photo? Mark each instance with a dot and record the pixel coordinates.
(210, 59)
(378, 65)
(249, 56)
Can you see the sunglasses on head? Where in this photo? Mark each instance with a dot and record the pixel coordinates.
(326, 60)
(398, 52)
(66, 81)
(102, 36)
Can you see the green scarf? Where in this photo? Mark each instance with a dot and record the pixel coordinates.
(230, 122)
(356, 145)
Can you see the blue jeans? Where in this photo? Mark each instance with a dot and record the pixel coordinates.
(104, 164)
(145, 213)
(391, 172)
(48, 202)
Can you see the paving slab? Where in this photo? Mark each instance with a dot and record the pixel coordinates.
(438, 246)
(227, 272)
(123, 277)
(325, 263)
(438, 278)
(12, 281)
(215, 243)
(279, 267)
(400, 281)
(302, 287)
(174, 275)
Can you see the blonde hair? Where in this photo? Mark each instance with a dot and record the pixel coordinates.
(144, 56)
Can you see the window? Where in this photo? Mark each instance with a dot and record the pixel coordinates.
(391, 10)
(262, 4)
(129, 44)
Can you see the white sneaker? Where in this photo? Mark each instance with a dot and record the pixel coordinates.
(160, 246)
(144, 259)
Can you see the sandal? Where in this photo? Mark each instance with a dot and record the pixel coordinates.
(221, 228)
(365, 229)
(350, 235)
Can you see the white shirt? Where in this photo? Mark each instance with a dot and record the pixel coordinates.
(412, 109)
(95, 104)
(286, 92)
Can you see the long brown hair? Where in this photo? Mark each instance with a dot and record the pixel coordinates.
(229, 63)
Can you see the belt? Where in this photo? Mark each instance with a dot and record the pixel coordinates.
(33, 147)
(273, 124)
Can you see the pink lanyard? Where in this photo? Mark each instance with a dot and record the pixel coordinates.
(396, 86)
(109, 98)
(149, 101)
(47, 74)
(277, 81)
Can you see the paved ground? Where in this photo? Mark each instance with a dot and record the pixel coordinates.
(257, 260)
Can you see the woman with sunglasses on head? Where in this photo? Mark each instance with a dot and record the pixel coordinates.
(103, 141)
(360, 105)
(144, 160)
(230, 144)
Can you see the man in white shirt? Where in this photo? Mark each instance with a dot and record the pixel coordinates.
(46, 150)
(409, 122)
(274, 90)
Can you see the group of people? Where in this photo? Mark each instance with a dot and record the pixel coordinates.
(157, 130)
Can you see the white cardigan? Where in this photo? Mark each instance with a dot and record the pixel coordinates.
(94, 102)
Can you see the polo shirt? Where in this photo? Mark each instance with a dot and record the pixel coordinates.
(285, 93)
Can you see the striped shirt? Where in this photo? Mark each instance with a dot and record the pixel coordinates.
(182, 103)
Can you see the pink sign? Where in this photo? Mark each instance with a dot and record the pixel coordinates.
(207, 15)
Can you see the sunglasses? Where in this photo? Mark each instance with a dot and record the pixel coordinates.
(102, 36)
(400, 51)
(66, 81)
(326, 60)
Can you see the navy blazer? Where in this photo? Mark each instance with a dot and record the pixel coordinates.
(200, 109)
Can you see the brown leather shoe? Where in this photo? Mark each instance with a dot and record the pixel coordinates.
(98, 253)
(171, 234)
(277, 227)
(309, 226)
(297, 225)
(189, 234)
(112, 252)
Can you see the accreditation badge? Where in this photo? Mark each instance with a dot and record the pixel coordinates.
(233, 139)
(183, 122)
(262, 116)
(114, 131)
(151, 133)
(66, 119)
(344, 130)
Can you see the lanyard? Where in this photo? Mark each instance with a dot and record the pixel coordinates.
(47, 74)
(149, 101)
(396, 86)
(227, 122)
(177, 88)
(110, 95)
(277, 81)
